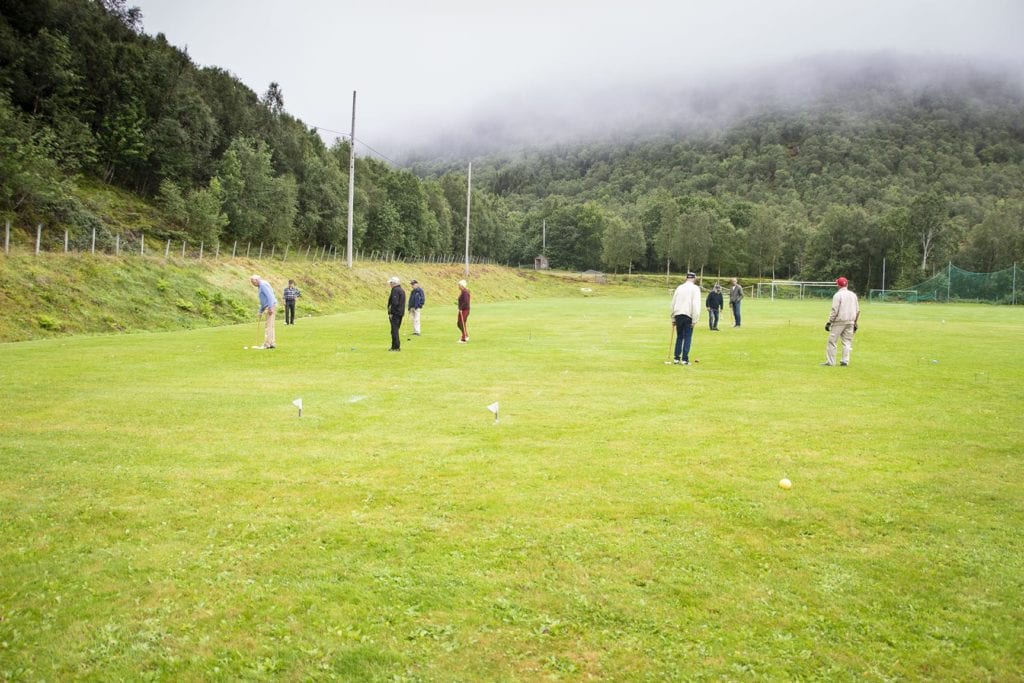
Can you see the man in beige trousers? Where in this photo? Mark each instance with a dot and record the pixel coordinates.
(842, 323)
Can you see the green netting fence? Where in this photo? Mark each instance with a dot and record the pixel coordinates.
(956, 284)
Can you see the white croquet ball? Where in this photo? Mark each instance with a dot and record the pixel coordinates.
(785, 484)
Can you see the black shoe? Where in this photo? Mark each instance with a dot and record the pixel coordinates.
(843, 364)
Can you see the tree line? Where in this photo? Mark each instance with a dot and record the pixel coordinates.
(879, 174)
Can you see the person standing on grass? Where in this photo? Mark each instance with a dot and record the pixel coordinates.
(416, 301)
(396, 309)
(463, 311)
(714, 306)
(735, 296)
(268, 303)
(842, 323)
(291, 293)
(685, 313)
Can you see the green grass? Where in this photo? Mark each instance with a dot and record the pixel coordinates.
(165, 513)
(54, 295)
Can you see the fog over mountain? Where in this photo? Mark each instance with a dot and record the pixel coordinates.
(465, 72)
(690, 103)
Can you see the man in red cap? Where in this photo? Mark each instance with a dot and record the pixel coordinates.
(842, 323)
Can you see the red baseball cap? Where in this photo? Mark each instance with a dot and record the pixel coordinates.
(842, 282)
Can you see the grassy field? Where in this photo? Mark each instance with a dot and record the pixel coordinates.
(166, 514)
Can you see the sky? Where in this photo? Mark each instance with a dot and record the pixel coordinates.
(423, 68)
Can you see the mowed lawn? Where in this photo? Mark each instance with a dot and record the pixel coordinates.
(166, 514)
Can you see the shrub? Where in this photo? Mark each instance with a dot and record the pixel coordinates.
(184, 305)
(47, 323)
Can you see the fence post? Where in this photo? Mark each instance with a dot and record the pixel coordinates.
(261, 251)
(273, 251)
(142, 245)
(117, 244)
(234, 247)
(307, 252)
(93, 247)
(200, 250)
(183, 243)
(216, 253)
(167, 251)
(1013, 288)
(7, 238)
(39, 237)
(65, 240)
(286, 248)
(949, 279)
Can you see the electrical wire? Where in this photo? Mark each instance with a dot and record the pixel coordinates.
(359, 141)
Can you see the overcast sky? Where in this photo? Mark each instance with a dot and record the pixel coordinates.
(420, 65)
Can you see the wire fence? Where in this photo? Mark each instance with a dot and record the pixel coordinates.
(43, 240)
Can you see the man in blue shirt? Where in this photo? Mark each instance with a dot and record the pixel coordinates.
(268, 303)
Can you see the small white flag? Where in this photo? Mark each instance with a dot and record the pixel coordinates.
(493, 407)
(298, 404)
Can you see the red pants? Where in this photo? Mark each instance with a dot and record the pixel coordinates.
(461, 324)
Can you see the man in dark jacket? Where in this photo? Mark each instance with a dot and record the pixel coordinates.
(416, 300)
(396, 309)
(714, 306)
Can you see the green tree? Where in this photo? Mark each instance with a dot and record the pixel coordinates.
(622, 244)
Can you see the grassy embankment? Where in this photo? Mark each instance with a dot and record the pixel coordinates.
(56, 294)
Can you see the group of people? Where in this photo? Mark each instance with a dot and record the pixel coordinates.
(417, 299)
(686, 312)
(686, 305)
(842, 320)
(396, 307)
(268, 307)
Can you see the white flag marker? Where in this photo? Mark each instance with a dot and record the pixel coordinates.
(298, 404)
(494, 409)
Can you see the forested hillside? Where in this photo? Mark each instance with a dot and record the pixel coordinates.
(877, 165)
(872, 166)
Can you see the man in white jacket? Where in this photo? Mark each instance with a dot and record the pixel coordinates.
(685, 313)
(842, 323)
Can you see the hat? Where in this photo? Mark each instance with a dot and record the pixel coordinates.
(691, 275)
(462, 283)
(842, 282)
(393, 280)
(414, 282)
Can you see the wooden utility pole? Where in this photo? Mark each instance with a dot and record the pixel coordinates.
(469, 201)
(351, 177)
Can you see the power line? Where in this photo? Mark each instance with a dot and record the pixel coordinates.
(358, 140)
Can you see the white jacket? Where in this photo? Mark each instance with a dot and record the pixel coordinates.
(687, 301)
(845, 307)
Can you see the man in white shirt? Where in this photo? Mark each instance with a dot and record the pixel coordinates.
(842, 323)
(685, 313)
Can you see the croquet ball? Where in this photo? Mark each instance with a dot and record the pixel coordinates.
(785, 484)
(245, 347)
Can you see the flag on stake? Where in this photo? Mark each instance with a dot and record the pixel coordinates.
(298, 404)
(494, 409)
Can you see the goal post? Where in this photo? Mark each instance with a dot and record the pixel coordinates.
(796, 289)
(893, 295)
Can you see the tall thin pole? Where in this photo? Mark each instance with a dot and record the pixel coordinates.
(883, 278)
(544, 238)
(351, 178)
(1013, 287)
(39, 237)
(7, 237)
(469, 201)
(949, 279)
